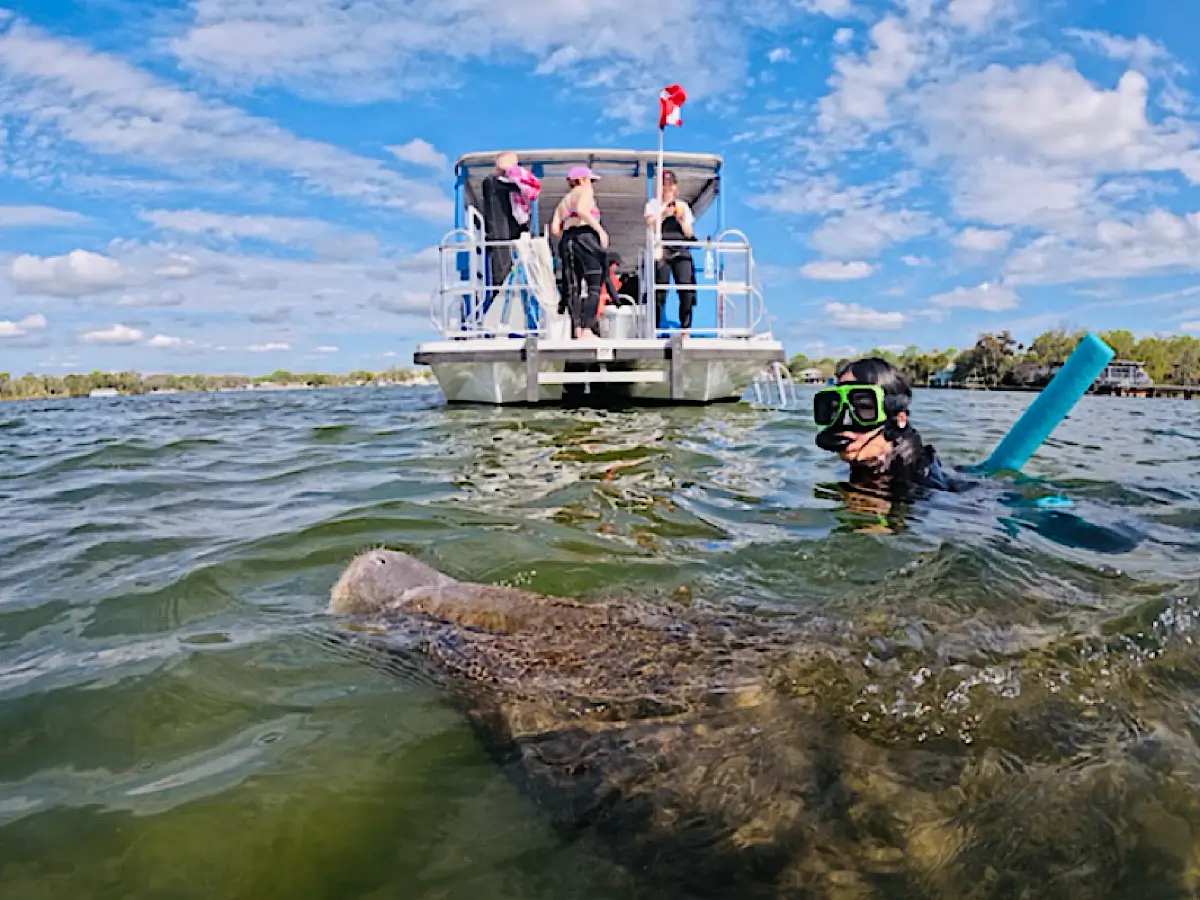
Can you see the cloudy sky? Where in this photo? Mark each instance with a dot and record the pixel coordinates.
(242, 185)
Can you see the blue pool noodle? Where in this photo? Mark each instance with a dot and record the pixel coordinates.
(1051, 406)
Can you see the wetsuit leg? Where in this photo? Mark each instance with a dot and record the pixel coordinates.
(500, 260)
(569, 282)
(662, 276)
(684, 270)
(591, 304)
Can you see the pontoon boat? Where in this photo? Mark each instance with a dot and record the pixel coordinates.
(508, 343)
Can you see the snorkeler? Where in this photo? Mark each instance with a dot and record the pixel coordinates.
(864, 419)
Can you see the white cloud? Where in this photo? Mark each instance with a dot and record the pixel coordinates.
(989, 297)
(1190, 327)
(1140, 52)
(1052, 113)
(1035, 146)
(117, 335)
(843, 36)
(164, 342)
(76, 274)
(38, 217)
(268, 348)
(327, 349)
(863, 86)
(276, 229)
(916, 262)
(365, 50)
(164, 299)
(420, 153)
(558, 61)
(981, 240)
(68, 93)
(861, 318)
(865, 232)
(832, 270)
(1003, 192)
(1028, 146)
(835, 9)
(404, 303)
(10, 329)
(1153, 242)
(974, 15)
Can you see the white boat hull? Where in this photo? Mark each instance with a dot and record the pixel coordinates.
(496, 371)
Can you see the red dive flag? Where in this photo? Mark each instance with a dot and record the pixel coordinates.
(670, 101)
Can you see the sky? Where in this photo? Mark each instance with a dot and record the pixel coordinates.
(247, 185)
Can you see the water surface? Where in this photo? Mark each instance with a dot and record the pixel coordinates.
(172, 729)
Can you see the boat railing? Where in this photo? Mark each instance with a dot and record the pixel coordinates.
(727, 271)
(467, 304)
(774, 388)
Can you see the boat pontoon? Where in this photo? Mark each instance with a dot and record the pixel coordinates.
(508, 343)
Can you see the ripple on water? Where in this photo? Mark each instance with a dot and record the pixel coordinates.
(1000, 675)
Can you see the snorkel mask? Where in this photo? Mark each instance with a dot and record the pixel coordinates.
(848, 407)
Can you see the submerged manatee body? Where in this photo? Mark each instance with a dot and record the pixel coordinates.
(717, 755)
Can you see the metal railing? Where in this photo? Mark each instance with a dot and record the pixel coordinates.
(774, 388)
(468, 304)
(728, 263)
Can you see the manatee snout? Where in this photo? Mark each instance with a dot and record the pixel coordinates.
(377, 580)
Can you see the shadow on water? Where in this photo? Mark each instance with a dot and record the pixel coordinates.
(979, 697)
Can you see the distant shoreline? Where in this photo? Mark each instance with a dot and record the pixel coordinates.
(1173, 391)
(98, 385)
(101, 395)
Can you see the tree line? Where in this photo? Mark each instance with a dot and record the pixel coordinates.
(998, 360)
(79, 384)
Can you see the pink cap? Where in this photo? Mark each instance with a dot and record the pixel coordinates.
(582, 172)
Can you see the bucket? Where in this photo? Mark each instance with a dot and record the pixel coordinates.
(618, 323)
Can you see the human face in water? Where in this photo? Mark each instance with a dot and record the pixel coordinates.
(866, 447)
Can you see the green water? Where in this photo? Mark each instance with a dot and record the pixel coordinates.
(169, 728)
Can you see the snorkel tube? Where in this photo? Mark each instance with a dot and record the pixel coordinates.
(1050, 407)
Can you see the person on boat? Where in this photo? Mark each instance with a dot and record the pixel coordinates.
(500, 220)
(582, 245)
(612, 287)
(677, 225)
(864, 419)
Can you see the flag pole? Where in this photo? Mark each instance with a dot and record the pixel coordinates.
(658, 192)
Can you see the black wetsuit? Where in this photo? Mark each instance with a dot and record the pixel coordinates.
(583, 260)
(676, 261)
(912, 467)
(499, 225)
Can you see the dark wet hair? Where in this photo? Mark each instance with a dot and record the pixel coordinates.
(897, 389)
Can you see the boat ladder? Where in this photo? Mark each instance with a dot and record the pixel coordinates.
(773, 388)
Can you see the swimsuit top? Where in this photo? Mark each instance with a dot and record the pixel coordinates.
(570, 204)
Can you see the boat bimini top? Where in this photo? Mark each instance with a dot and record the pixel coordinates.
(627, 181)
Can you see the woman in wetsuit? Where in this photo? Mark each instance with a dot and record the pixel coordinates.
(581, 250)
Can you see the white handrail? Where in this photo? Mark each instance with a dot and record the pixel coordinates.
(457, 305)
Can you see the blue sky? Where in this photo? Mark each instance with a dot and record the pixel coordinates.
(244, 185)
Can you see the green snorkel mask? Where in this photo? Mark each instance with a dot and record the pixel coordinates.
(850, 407)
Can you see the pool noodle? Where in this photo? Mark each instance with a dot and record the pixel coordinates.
(1051, 406)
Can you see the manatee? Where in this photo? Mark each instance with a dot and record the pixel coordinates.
(720, 754)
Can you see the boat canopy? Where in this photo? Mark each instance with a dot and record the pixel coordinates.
(627, 180)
